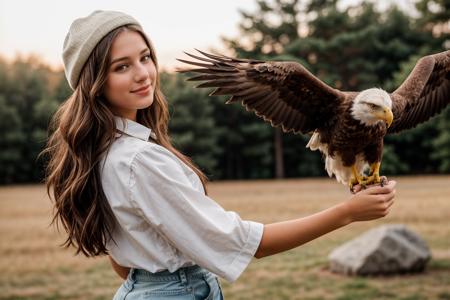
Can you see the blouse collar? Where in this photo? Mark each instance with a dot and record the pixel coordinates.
(134, 129)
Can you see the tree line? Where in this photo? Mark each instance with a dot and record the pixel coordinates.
(350, 48)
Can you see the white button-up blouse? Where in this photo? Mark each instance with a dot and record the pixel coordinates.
(164, 220)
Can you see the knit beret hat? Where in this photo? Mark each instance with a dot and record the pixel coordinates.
(84, 34)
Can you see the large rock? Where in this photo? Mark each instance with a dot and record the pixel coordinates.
(388, 249)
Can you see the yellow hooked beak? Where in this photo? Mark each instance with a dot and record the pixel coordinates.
(386, 115)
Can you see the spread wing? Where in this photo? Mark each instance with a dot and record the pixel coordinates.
(282, 93)
(423, 94)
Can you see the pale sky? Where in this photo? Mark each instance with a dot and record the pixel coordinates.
(174, 26)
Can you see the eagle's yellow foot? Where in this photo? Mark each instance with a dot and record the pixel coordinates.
(356, 179)
(377, 179)
(374, 177)
(364, 181)
(352, 183)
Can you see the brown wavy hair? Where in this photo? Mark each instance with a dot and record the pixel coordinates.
(82, 130)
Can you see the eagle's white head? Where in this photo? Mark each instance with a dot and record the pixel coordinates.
(373, 106)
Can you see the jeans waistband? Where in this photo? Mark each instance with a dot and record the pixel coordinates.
(179, 275)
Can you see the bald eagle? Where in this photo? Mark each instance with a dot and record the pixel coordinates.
(347, 127)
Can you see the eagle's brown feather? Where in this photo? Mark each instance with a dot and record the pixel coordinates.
(282, 93)
(423, 94)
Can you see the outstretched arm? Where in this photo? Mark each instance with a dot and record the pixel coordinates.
(369, 204)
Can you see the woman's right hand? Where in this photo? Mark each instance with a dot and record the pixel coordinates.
(371, 203)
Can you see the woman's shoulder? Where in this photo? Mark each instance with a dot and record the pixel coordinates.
(153, 154)
(132, 160)
(130, 151)
(124, 149)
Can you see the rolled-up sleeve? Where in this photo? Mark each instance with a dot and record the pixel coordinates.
(217, 240)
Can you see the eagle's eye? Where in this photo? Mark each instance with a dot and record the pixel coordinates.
(372, 106)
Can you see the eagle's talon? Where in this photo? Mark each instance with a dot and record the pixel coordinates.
(383, 181)
(352, 183)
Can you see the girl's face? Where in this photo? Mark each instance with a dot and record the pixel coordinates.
(131, 79)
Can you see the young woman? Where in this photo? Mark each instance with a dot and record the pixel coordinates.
(120, 188)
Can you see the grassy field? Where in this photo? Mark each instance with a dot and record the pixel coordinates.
(32, 266)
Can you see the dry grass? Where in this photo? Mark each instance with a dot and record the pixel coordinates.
(34, 267)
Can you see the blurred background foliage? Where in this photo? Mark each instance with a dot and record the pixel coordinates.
(350, 48)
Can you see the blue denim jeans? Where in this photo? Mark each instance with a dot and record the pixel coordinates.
(186, 283)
